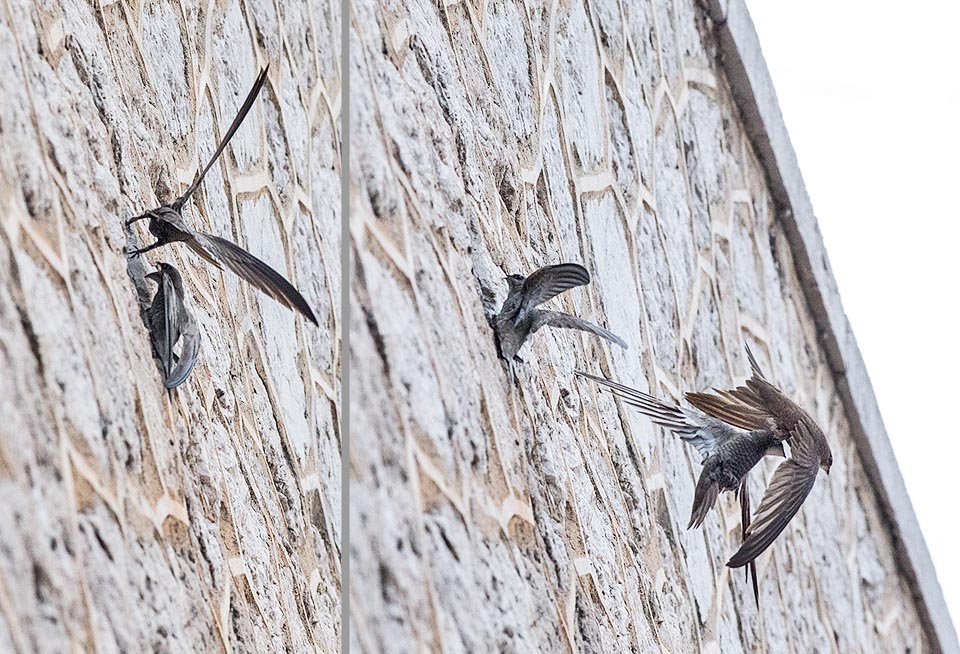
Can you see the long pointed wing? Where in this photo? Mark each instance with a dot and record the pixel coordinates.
(548, 282)
(545, 318)
(663, 414)
(756, 405)
(170, 331)
(791, 483)
(754, 366)
(742, 407)
(234, 126)
(693, 429)
(257, 273)
(188, 356)
(725, 406)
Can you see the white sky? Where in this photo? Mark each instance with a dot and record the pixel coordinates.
(870, 93)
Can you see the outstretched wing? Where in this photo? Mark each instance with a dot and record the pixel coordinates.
(547, 283)
(244, 109)
(728, 407)
(792, 482)
(697, 430)
(253, 270)
(756, 405)
(545, 318)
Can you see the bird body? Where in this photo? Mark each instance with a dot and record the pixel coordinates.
(170, 322)
(168, 226)
(520, 317)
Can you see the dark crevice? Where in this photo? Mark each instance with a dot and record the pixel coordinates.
(378, 341)
(31, 338)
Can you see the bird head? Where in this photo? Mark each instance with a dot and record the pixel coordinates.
(515, 281)
(156, 275)
(826, 462)
(168, 270)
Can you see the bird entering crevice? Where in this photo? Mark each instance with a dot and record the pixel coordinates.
(168, 226)
(520, 317)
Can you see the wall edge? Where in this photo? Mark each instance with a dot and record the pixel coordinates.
(754, 95)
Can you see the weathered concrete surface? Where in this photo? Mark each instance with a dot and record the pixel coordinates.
(133, 521)
(495, 137)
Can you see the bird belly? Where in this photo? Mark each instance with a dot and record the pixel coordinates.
(509, 343)
(509, 338)
(739, 456)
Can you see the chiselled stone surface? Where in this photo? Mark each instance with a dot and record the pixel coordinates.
(133, 520)
(495, 137)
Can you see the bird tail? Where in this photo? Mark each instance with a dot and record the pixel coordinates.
(751, 570)
(704, 497)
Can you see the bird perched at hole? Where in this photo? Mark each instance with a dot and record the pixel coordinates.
(733, 430)
(520, 316)
(166, 223)
(169, 321)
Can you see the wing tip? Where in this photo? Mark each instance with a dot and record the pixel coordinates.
(737, 561)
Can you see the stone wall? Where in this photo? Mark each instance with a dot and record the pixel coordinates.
(495, 137)
(133, 520)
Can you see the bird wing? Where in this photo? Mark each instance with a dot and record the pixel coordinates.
(693, 429)
(742, 407)
(754, 366)
(757, 404)
(200, 246)
(234, 126)
(253, 270)
(170, 326)
(188, 355)
(704, 499)
(731, 409)
(157, 322)
(547, 283)
(545, 318)
(791, 483)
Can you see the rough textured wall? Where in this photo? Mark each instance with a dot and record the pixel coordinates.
(132, 520)
(495, 137)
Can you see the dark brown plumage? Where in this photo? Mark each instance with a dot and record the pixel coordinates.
(167, 224)
(733, 430)
(170, 322)
(759, 403)
(520, 316)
